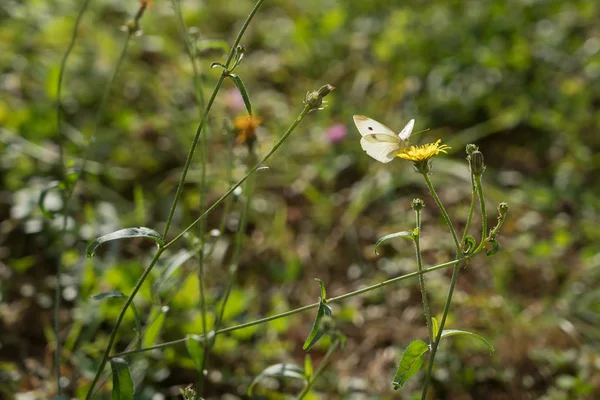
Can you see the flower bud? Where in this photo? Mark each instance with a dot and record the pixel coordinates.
(314, 100)
(470, 149)
(503, 209)
(418, 204)
(477, 164)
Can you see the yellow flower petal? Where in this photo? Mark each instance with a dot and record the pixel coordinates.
(424, 152)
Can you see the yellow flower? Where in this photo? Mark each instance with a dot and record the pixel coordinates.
(424, 152)
(246, 126)
(421, 155)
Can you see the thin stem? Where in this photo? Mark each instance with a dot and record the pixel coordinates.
(471, 209)
(304, 308)
(426, 308)
(484, 228)
(278, 144)
(204, 115)
(63, 172)
(332, 349)
(450, 290)
(113, 334)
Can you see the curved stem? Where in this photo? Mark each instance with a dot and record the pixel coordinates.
(188, 160)
(450, 290)
(113, 334)
(320, 368)
(304, 308)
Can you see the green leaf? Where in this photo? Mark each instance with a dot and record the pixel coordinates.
(125, 234)
(404, 234)
(278, 370)
(43, 194)
(153, 330)
(195, 346)
(240, 85)
(323, 291)
(469, 244)
(435, 326)
(454, 332)
(108, 295)
(308, 367)
(218, 64)
(411, 361)
(122, 383)
(494, 249)
(317, 331)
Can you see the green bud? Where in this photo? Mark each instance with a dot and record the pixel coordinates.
(314, 100)
(418, 204)
(477, 164)
(470, 149)
(503, 209)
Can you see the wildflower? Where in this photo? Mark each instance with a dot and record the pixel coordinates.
(246, 126)
(336, 133)
(421, 155)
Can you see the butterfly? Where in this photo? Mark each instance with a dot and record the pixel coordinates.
(379, 141)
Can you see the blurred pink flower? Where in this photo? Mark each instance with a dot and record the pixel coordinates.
(234, 101)
(336, 133)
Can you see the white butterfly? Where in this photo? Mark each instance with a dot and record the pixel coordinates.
(379, 141)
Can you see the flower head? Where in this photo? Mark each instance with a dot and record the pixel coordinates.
(421, 155)
(246, 126)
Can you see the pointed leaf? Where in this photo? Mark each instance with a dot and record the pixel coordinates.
(308, 367)
(278, 370)
(108, 295)
(218, 64)
(454, 332)
(240, 85)
(469, 244)
(435, 326)
(411, 361)
(404, 234)
(317, 331)
(323, 292)
(125, 234)
(153, 330)
(122, 383)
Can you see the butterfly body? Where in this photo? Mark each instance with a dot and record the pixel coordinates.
(379, 141)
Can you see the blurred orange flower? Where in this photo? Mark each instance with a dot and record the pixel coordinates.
(246, 126)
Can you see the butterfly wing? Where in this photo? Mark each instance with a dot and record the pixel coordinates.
(378, 141)
(405, 133)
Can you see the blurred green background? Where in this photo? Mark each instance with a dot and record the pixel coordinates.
(519, 78)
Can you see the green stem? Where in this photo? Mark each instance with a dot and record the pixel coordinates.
(450, 290)
(188, 160)
(332, 349)
(471, 209)
(426, 308)
(61, 156)
(304, 308)
(484, 228)
(278, 144)
(113, 334)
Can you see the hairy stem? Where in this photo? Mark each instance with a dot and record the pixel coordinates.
(426, 308)
(332, 349)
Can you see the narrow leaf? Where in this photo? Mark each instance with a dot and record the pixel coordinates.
(308, 367)
(411, 362)
(122, 383)
(469, 244)
(454, 332)
(153, 330)
(317, 331)
(125, 234)
(435, 326)
(404, 234)
(240, 85)
(218, 64)
(108, 295)
(278, 370)
(323, 291)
